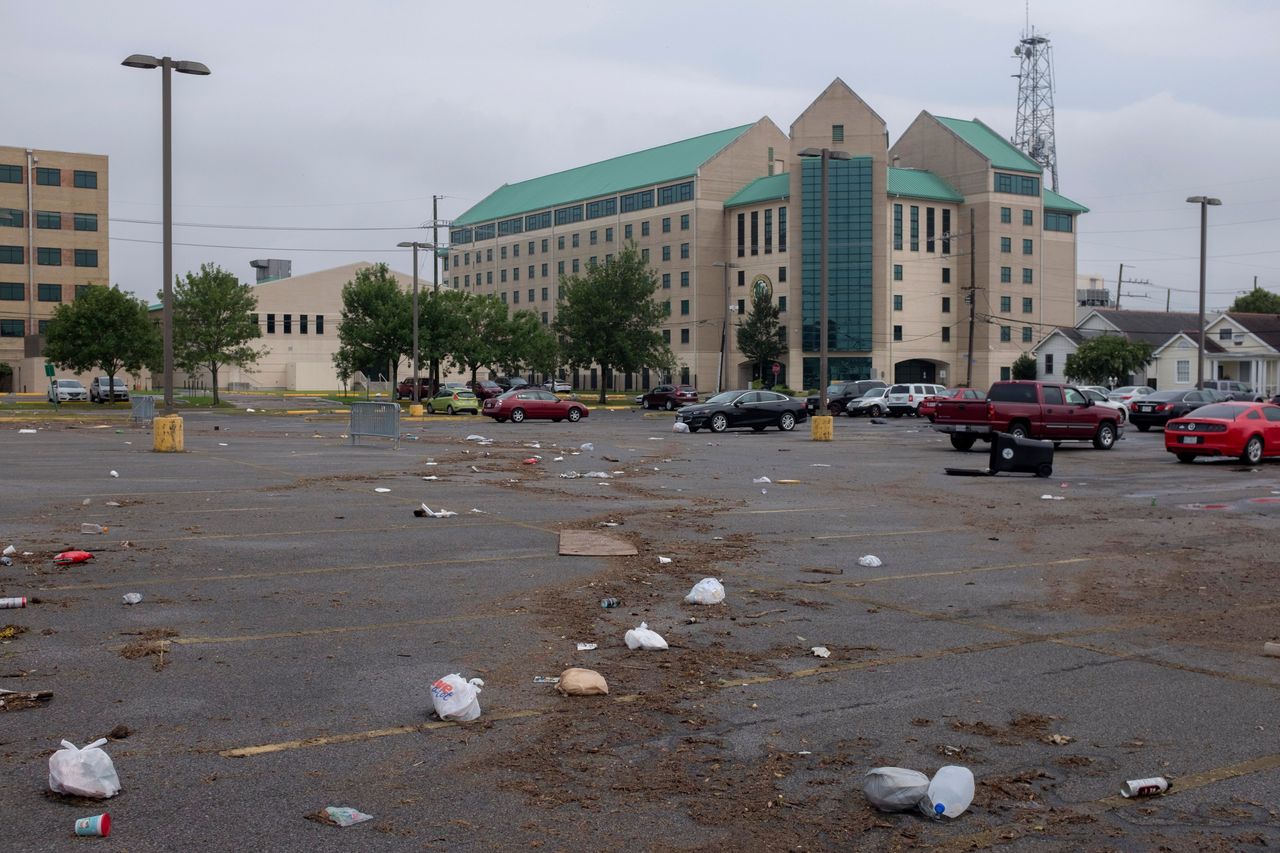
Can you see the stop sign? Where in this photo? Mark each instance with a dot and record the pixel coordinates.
(777, 368)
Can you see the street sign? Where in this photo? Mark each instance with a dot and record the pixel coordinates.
(48, 370)
(777, 368)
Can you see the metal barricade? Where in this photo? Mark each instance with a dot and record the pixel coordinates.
(377, 420)
(144, 407)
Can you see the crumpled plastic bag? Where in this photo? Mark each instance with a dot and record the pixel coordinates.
(895, 789)
(679, 426)
(643, 638)
(345, 815)
(457, 699)
(582, 682)
(84, 772)
(67, 557)
(871, 561)
(706, 591)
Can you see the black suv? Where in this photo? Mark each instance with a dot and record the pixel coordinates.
(506, 383)
(839, 394)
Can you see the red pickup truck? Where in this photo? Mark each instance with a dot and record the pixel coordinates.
(1041, 410)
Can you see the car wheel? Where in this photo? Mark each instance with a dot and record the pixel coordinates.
(786, 422)
(1143, 427)
(962, 442)
(875, 411)
(575, 415)
(1252, 451)
(517, 416)
(719, 422)
(1186, 457)
(671, 405)
(430, 410)
(450, 410)
(1106, 437)
(1019, 430)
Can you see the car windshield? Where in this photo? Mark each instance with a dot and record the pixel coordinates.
(72, 384)
(875, 392)
(688, 389)
(1219, 411)
(725, 397)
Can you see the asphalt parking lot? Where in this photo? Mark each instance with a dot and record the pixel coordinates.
(293, 620)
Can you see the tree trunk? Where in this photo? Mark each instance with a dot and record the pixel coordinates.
(213, 376)
(604, 382)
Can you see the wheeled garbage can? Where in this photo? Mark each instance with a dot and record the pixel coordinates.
(1010, 453)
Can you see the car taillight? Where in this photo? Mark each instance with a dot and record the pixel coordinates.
(1163, 407)
(910, 397)
(1133, 406)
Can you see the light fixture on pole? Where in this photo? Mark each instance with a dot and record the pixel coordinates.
(182, 66)
(824, 154)
(411, 244)
(1204, 202)
(721, 380)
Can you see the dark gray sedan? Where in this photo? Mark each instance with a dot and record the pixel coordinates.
(738, 409)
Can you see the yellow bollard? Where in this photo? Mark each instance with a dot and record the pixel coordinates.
(415, 410)
(166, 434)
(822, 427)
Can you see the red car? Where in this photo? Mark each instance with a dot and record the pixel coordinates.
(484, 388)
(1249, 431)
(929, 404)
(669, 397)
(533, 403)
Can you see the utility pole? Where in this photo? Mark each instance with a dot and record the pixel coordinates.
(435, 277)
(1119, 283)
(973, 297)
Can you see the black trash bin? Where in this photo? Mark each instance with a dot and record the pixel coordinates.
(1020, 455)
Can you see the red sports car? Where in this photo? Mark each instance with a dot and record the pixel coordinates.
(524, 404)
(1249, 431)
(929, 404)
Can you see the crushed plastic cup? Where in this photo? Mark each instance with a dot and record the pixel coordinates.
(1144, 787)
(9, 550)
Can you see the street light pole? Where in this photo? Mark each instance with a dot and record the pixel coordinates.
(167, 65)
(415, 246)
(1204, 202)
(721, 379)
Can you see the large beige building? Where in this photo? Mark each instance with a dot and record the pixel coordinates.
(951, 209)
(53, 242)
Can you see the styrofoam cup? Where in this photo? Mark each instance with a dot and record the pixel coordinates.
(1144, 787)
(99, 824)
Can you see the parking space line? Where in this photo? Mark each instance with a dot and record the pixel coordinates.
(973, 570)
(335, 629)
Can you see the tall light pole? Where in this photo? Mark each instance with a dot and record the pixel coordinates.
(825, 154)
(721, 380)
(1204, 202)
(167, 66)
(435, 266)
(411, 244)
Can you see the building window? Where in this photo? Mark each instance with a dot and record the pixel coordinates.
(1027, 305)
(593, 239)
(946, 334)
(12, 329)
(755, 232)
(533, 244)
(637, 201)
(837, 133)
(684, 336)
(546, 244)
(946, 275)
(1027, 247)
(49, 219)
(666, 225)
(897, 333)
(666, 333)
(559, 268)
(12, 217)
(1048, 364)
(86, 221)
(946, 305)
(782, 274)
(515, 250)
(515, 273)
(684, 278)
(897, 302)
(574, 241)
(85, 180)
(666, 253)
(503, 296)
(488, 279)
(592, 262)
(644, 254)
(928, 229)
(82, 289)
(1006, 245)
(1006, 215)
(946, 231)
(515, 297)
(48, 177)
(544, 294)
(1028, 218)
(42, 326)
(1184, 371)
(50, 257)
(897, 272)
(288, 323)
(271, 324)
(684, 251)
(1026, 334)
(502, 252)
(604, 207)
(1006, 275)
(559, 244)
(1026, 275)
(897, 227)
(782, 229)
(49, 292)
(684, 307)
(1057, 222)
(466, 280)
(742, 278)
(684, 222)
(575, 266)
(10, 174)
(530, 294)
(302, 324)
(544, 318)
(742, 307)
(675, 193)
(742, 234)
(666, 308)
(502, 274)
(532, 272)
(768, 231)
(626, 232)
(644, 228)
(11, 255)
(12, 291)
(1006, 304)
(782, 304)
(915, 228)
(544, 271)
(1004, 374)
(1225, 333)
(1017, 184)
(1006, 334)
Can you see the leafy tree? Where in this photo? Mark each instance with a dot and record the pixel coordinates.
(485, 325)
(103, 330)
(1024, 367)
(1107, 358)
(376, 328)
(528, 344)
(608, 317)
(213, 322)
(1257, 301)
(442, 324)
(758, 336)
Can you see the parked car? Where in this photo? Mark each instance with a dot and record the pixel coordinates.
(1163, 406)
(454, 400)
(1098, 395)
(507, 383)
(1026, 409)
(871, 403)
(669, 397)
(1247, 430)
(404, 391)
(746, 408)
(98, 392)
(1236, 390)
(67, 391)
(522, 404)
(485, 388)
(557, 386)
(929, 404)
(840, 393)
(1126, 393)
(905, 399)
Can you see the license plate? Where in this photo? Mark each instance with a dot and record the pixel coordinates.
(1147, 408)
(1190, 439)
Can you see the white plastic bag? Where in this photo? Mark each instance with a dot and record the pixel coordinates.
(643, 638)
(84, 772)
(894, 789)
(706, 591)
(679, 426)
(457, 699)
(871, 561)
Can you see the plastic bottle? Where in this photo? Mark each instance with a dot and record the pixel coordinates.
(90, 527)
(950, 792)
(609, 602)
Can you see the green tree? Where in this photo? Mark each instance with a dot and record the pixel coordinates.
(1024, 367)
(442, 324)
(1257, 301)
(1107, 358)
(484, 326)
(527, 345)
(103, 330)
(213, 322)
(376, 329)
(759, 335)
(608, 317)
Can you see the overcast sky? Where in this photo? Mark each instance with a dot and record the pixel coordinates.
(351, 116)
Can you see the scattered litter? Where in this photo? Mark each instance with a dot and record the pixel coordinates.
(126, 544)
(679, 426)
(84, 772)
(222, 444)
(1059, 740)
(13, 603)
(587, 647)
(950, 792)
(587, 446)
(664, 560)
(432, 477)
(762, 480)
(895, 789)
(22, 700)
(26, 432)
(825, 571)
(85, 502)
(570, 475)
(558, 459)
(250, 410)
(788, 482)
(456, 699)
(535, 445)
(479, 511)
(582, 682)
(607, 603)
(68, 557)
(424, 511)
(545, 679)
(6, 561)
(1144, 787)
(9, 550)
(599, 475)
(821, 652)
(475, 470)
(89, 527)
(764, 613)
(643, 638)
(339, 816)
(608, 524)
(429, 463)
(115, 473)
(1272, 649)
(8, 632)
(819, 465)
(132, 598)
(474, 437)
(532, 460)
(871, 561)
(382, 490)
(1053, 497)
(706, 591)
(114, 503)
(98, 825)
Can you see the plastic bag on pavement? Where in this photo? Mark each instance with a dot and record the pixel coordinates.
(871, 561)
(456, 699)
(895, 789)
(69, 557)
(706, 591)
(84, 772)
(679, 426)
(643, 638)
(582, 682)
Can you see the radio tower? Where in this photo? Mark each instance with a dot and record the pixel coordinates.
(1033, 132)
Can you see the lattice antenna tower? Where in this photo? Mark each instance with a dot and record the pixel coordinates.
(1033, 131)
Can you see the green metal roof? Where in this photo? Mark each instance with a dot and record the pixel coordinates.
(762, 189)
(630, 171)
(917, 183)
(1053, 201)
(1000, 151)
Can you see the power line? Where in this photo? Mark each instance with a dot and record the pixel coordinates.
(273, 227)
(253, 248)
